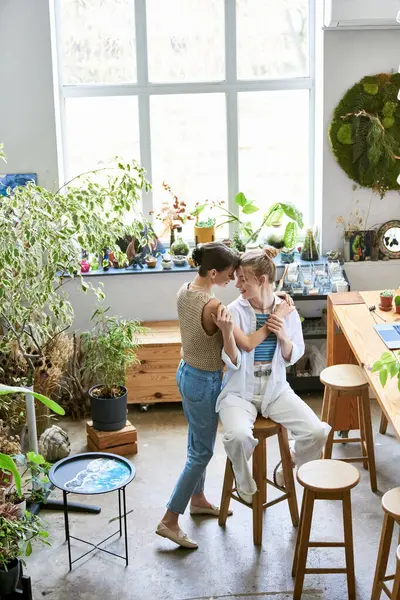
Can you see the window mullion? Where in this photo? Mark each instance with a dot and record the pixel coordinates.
(231, 108)
(143, 99)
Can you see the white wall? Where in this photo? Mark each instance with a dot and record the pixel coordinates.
(349, 56)
(27, 119)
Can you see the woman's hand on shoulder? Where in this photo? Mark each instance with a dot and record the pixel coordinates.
(283, 309)
(223, 320)
(285, 297)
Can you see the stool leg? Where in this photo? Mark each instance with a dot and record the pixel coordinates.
(333, 396)
(264, 471)
(369, 439)
(226, 493)
(362, 431)
(288, 475)
(308, 501)
(325, 405)
(296, 551)
(396, 584)
(257, 504)
(348, 545)
(383, 425)
(383, 555)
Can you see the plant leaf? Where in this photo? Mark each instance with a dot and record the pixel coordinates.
(394, 368)
(7, 463)
(250, 208)
(290, 235)
(383, 375)
(10, 389)
(377, 366)
(240, 199)
(29, 548)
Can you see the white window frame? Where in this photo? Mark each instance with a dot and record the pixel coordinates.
(231, 87)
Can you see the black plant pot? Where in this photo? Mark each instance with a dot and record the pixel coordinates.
(108, 414)
(9, 579)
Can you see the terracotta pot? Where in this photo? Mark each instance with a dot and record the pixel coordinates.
(202, 235)
(397, 310)
(386, 301)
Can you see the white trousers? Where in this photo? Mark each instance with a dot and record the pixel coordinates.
(288, 409)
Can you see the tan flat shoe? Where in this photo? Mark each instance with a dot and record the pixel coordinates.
(213, 511)
(179, 537)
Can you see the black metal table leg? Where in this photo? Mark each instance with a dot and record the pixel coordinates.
(125, 527)
(66, 523)
(119, 513)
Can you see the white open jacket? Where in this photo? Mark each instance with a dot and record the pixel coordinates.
(238, 382)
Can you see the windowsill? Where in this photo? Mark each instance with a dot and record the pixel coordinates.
(185, 268)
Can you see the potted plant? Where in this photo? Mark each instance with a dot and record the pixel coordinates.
(180, 248)
(166, 261)
(397, 304)
(309, 250)
(120, 260)
(151, 261)
(109, 351)
(16, 537)
(204, 231)
(386, 299)
(287, 255)
(172, 215)
(38, 256)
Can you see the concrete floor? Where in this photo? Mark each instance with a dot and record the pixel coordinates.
(227, 565)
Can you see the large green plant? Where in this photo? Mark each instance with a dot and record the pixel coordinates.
(388, 366)
(246, 207)
(274, 215)
(110, 349)
(41, 237)
(17, 534)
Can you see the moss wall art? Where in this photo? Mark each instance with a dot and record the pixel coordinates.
(365, 132)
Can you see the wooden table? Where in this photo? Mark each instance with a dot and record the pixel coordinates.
(351, 338)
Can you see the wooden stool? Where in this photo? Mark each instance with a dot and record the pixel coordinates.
(391, 508)
(349, 380)
(324, 480)
(263, 429)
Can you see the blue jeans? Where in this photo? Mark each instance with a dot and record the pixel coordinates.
(199, 391)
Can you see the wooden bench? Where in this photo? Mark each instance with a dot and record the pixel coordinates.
(153, 380)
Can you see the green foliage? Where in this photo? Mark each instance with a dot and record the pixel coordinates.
(344, 134)
(41, 237)
(11, 389)
(365, 132)
(34, 476)
(180, 248)
(109, 349)
(8, 464)
(209, 223)
(17, 534)
(388, 366)
(290, 235)
(397, 301)
(237, 244)
(275, 240)
(247, 207)
(387, 293)
(288, 209)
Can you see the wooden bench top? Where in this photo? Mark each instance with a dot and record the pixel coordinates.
(162, 333)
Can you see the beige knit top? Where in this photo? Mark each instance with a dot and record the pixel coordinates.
(199, 349)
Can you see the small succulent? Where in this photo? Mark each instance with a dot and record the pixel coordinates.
(387, 293)
(397, 301)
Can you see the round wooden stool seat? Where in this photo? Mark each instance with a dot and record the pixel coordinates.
(391, 503)
(328, 476)
(264, 427)
(344, 377)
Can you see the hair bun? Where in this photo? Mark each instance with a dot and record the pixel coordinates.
(196, 256)
(271, 252)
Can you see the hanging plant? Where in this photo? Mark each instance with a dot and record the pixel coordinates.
(365, 132)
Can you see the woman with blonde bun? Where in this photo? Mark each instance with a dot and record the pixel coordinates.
(258, 384)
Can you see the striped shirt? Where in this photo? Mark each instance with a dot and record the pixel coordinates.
(265, 351)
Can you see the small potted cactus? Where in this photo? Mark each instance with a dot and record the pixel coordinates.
(386, 299)
(397, 304)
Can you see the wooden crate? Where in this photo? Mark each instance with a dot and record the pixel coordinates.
(153, 380)
(123, 441)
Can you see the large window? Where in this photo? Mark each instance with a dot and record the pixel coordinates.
(212, 96)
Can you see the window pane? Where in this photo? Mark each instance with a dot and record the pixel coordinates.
(185, 40)
(97, 41)
(272, 38)
(274, 148)
(188, 135)
(98, 129)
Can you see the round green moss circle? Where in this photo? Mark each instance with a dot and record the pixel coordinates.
(366, 145)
